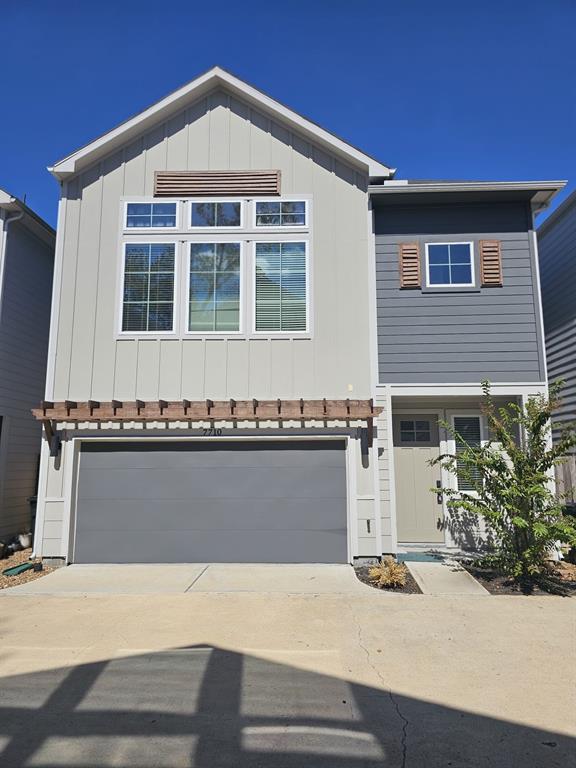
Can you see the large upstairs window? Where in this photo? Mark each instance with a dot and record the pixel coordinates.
(234, 267)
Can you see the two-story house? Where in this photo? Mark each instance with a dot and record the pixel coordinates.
(26, 266)
(243, 315)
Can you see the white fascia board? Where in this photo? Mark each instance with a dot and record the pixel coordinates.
(448, 389)
(178, 101)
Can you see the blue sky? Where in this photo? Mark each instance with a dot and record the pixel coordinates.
(437, 88)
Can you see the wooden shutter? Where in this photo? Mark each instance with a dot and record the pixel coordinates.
(409, 258)
(490, 262)
(216, 183)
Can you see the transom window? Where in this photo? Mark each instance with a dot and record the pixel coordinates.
(214, 287)
(450, 264)
(148, 290)
(216, 214)
(468, 432)
(149, 215)
(415, 431)
(281, 287)
(281, 213)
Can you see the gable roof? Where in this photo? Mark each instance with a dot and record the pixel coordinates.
(35, 223)
(178, 100)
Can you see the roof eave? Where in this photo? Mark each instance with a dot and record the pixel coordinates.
(177, 101)
(543, 191)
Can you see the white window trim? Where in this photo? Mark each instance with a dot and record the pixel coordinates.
(187, 333)
(155, 230)
(452, 440)
(288, 334)
(282, 227)
(206, 230)
(137, 334)
(452, 285)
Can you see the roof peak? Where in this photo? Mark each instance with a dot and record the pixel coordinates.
(178, 100)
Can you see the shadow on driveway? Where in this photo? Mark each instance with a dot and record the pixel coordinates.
(212, 708)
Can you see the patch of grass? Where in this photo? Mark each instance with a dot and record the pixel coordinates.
(388, 574)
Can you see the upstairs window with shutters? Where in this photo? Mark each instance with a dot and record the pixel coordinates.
(449, 264)
(281, 287)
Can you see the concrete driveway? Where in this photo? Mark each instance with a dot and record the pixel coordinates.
(243, 679)
(178, 579)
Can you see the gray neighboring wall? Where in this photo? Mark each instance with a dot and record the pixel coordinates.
(25, 299)
(557, 253)
(458, 335)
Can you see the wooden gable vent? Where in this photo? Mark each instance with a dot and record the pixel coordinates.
(490, 263)
(216, 183)
(409, 258)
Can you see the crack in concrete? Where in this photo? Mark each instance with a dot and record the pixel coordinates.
(405, 722)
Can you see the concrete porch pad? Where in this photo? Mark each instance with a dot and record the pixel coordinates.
(444, 577)
(147, 579)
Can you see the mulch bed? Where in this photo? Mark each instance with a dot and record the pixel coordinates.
(16, 559)
(410, 588)
(562, 581)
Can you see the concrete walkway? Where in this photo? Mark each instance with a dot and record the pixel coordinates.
(176, 579)
(445, 577)
(247, 680)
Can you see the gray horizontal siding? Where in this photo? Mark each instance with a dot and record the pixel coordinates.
(458, 336)
(24, 326)
(557, 257)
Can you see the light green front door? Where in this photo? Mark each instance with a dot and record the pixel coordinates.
(419, 511)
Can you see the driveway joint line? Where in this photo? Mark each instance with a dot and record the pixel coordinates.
(202, 572)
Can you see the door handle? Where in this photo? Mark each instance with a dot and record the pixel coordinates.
(439, 496)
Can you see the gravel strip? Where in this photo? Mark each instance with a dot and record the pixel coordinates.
(16, 559)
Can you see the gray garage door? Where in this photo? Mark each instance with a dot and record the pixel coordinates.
(211, 501)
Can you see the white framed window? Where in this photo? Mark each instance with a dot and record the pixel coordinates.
(152, 215)
(469, 430)
(280, 213)
(214, 295)
(281, 292)
(216, 214)
(148, 288)
(449, 265)
(415, 430)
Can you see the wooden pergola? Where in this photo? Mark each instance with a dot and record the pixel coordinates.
(50, 413)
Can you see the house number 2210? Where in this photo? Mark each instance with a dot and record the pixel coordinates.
(212, 432)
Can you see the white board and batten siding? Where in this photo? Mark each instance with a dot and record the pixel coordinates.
(219, 132)
(91, 361)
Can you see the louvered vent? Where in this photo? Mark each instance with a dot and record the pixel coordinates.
(216, 183)
(490, 262)
(409, 257)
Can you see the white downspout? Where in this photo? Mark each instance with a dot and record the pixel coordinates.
(5, 226)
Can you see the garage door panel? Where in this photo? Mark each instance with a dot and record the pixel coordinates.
(223, 547)
(213, 453)
(178, 501)
(149, 515)
(210, 483)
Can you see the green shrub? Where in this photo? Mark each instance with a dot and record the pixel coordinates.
(511, 484)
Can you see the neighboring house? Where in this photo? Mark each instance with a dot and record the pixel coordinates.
(557, 247)
(26, 266)
(213, 389)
